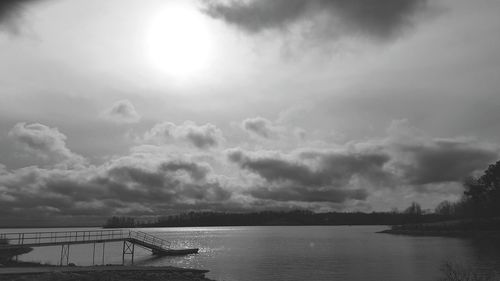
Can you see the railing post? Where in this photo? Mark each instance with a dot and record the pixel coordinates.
(123, 253)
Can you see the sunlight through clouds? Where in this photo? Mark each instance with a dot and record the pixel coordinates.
(179, 42)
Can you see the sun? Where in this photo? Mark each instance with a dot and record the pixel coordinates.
(178, 42)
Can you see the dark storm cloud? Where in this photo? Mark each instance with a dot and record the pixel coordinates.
(418, 159)
(443, 160)
(326, 169)
(258, 126)
(275, 169)
(163, 183)
(304, 194)
(380, 19)
(142, 183)
(312, 176)
(404, 159)
(114, 188)
(11, 12)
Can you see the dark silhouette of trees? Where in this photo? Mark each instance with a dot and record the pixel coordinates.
(481, 197)
(445, 209)
(413, 213)
(120, 222)
(296, 217)
(414, 209)
(482, 194)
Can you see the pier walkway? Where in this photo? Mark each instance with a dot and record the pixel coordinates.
(130, 238)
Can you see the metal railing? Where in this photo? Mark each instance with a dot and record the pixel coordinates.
(50, 237)
(150, 239)
(90, 236)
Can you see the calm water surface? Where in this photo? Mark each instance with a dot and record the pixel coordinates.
(298, 253)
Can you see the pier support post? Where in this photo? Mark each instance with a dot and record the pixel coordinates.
(103, 247)
(64, 255)
(93, 256)
(128, 249)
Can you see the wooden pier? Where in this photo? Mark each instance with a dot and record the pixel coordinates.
(130, 238)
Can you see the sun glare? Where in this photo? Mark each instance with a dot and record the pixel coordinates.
(179, 42)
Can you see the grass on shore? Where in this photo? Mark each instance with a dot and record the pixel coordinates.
(110, 276)
(457, 272)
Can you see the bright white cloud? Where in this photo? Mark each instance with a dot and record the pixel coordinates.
(44, 142)
(201, 136)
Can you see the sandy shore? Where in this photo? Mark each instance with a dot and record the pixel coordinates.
(101, 273)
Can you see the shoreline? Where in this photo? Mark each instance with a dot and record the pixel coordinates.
(449, 233)
(465, 228)
(104, 273)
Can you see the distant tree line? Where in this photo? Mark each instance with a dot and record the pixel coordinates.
(481, 198)
(120, 222)
(297, 217)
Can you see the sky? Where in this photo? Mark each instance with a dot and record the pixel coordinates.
(145, 108)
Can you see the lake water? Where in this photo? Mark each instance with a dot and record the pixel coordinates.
(297, 253)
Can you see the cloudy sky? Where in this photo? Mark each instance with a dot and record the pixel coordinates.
(132, 107)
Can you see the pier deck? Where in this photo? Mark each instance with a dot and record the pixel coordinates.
(130, 238)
